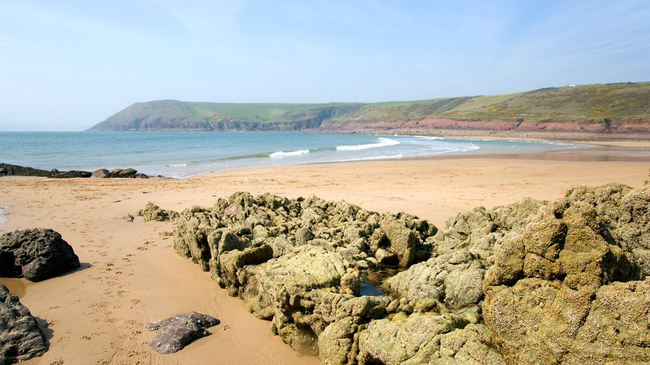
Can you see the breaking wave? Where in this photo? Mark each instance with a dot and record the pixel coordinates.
(381, 142)
(281, 154)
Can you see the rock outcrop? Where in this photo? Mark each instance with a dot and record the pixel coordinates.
(530, 282)
(118, 173)
(20, 336)
(36, 254)
(462, 253)
(567, 289)
(152, 212)
(174, 333)
(15, 170)
(285, 257)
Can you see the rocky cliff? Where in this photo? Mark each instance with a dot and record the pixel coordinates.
(614, 110)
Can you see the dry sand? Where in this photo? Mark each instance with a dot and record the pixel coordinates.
(130, 276)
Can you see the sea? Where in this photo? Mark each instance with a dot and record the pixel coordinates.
(182, 154)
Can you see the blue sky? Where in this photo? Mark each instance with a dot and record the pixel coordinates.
(67, 65)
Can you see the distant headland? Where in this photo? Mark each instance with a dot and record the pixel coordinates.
(597, 111)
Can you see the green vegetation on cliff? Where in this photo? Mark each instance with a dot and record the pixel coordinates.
(585, 103)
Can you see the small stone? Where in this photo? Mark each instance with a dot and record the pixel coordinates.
(176, 332)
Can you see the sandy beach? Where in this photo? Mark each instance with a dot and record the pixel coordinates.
(130, 276)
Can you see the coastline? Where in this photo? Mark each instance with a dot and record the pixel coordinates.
(583, 137)
(130, 275)
(162, 154)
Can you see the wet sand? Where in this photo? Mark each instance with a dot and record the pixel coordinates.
(130, 276)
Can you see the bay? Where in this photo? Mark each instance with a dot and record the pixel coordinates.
(181, 154)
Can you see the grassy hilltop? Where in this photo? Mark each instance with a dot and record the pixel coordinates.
(604, 104)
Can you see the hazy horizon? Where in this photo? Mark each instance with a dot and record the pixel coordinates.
(70, 65)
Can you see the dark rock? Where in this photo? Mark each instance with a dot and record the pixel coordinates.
(100, 174)
(15, 170)
(37, 254)
(176, 332)
(70, 174)
(20, 336)
(117, 173)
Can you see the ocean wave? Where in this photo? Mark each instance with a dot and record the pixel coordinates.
(428, 137)
(178, 165)
(446, 149)
(255, 155)
(381, 142)
(281, 154)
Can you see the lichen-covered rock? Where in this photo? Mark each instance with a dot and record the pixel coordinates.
(174, 333)
(616, 327)
(231, 262)
(20, 336)
(402, 241)
(282, 256)
(337, 343)
(339, 318)
(36, 254)
(464, 288)
(282, 286)
(191, 230)
(529, 282)
(386, 256)
(152, 212)
(471, 345)
(539, 293)
(633, 226)
(461, 255)
(417, 340)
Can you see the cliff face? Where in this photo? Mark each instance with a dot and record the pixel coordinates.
(157, 115)
(607, 126)
(607, 110)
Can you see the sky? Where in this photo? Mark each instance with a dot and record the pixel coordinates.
(67, 65)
